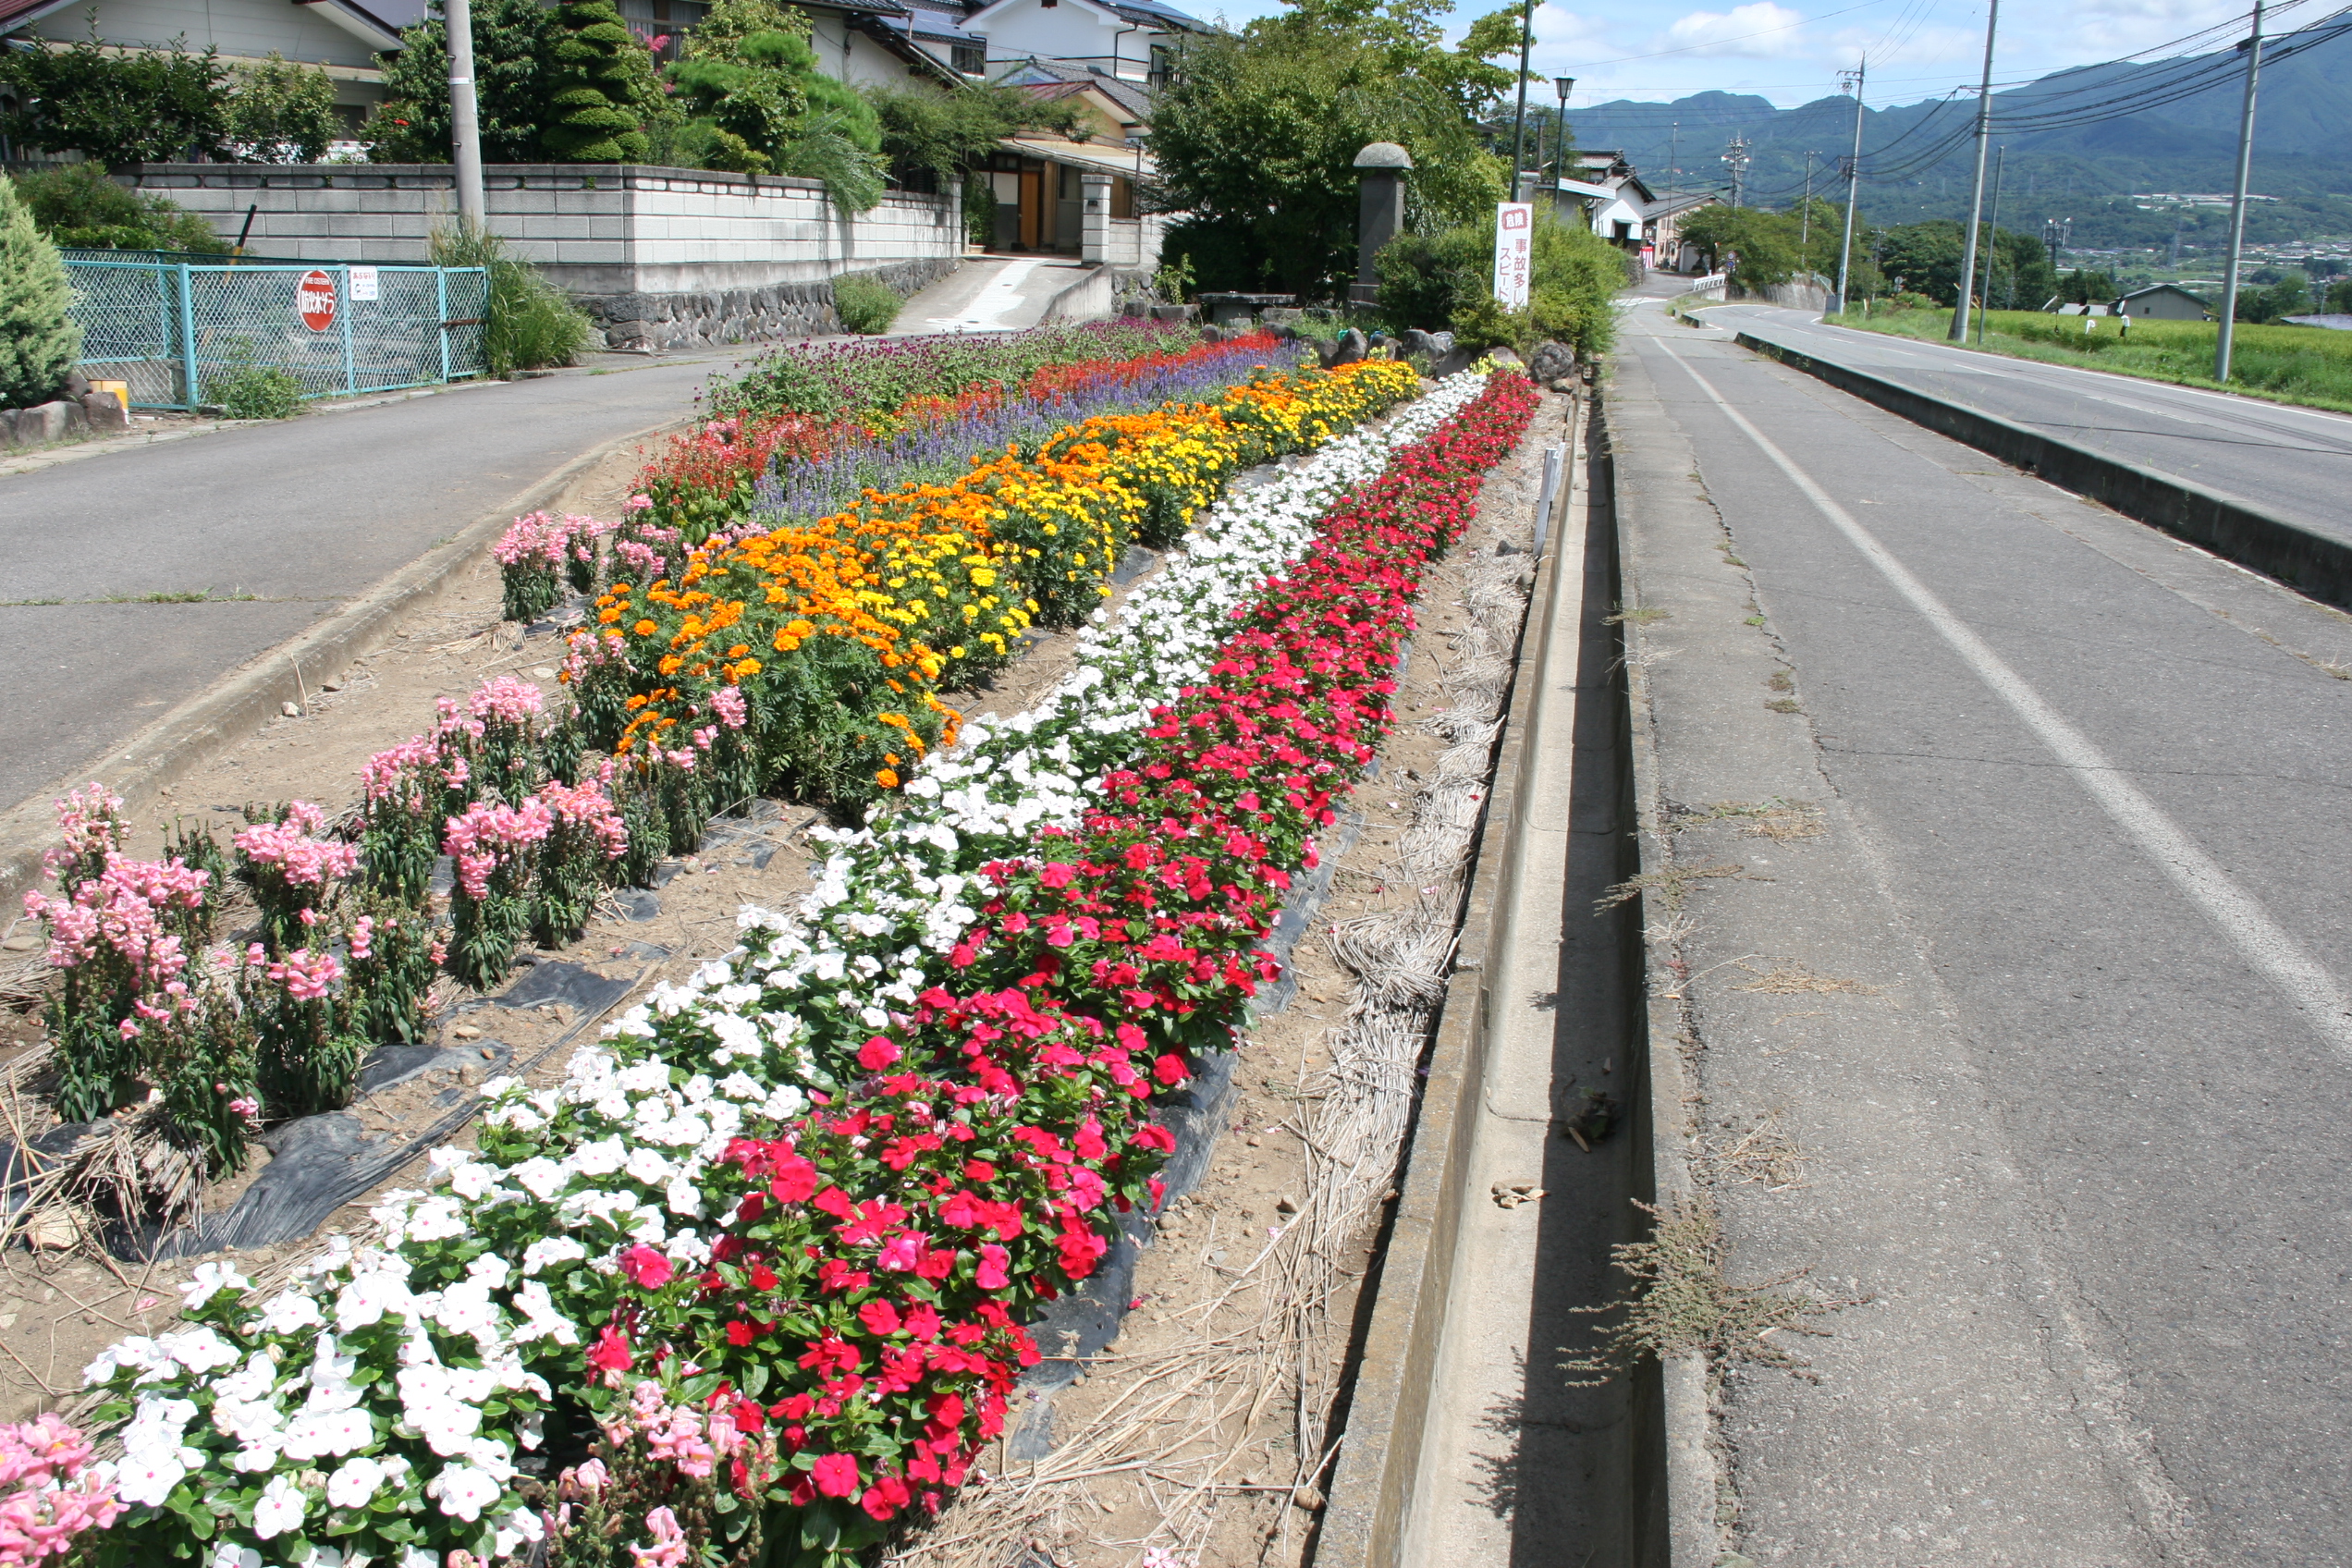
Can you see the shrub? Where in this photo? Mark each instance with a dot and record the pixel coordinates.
(116, 109)
(865, 306)
(38, 340)
(245, 390)
(282, 113)
(528, 323)
(78, 208)
(1444, 280)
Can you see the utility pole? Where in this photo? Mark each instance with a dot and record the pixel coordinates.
(1735, 156)
(2224, 340)
(1519, 131)
(1975, 199)
(465, 120)
(1992, 262)
(1673, 138)
(1850, 81)
(1805, 223)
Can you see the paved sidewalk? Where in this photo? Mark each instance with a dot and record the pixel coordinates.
(988, 294)
(277, 525)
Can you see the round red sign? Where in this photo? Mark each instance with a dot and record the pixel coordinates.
(314, 301)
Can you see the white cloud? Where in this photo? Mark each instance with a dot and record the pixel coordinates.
(1761, 31)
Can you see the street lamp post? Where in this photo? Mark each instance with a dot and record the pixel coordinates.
(1564, 85)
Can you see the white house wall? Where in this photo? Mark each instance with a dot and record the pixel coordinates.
(851, 56)
(1069, 31)
(247, 27)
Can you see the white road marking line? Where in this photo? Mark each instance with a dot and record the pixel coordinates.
(2265, 944)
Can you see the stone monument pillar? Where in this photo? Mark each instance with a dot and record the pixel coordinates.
(1380, 171)
(1094, 226)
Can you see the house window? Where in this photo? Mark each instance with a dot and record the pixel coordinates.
(970, 59)
(1158, 74)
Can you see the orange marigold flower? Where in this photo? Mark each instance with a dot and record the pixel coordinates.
(643, 629)
(888, 779)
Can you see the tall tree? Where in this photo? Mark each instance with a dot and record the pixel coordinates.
(1256, 139)
(596, 87)
(512, 41)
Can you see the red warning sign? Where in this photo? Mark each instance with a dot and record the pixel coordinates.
(314, 301)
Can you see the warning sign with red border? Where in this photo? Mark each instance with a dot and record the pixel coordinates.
(314, 301)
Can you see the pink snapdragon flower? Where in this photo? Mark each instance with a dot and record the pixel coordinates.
(301, 859)
(307, 975)
(491, 834)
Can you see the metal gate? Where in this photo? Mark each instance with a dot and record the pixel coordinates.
(169, 324)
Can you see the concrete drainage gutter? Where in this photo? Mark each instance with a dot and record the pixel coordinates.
(1391, 1419)
(2300, 556)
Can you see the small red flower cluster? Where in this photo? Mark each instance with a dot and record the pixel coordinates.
(865, 1300)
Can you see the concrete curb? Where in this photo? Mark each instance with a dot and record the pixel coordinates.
(1365, 1521)
(1684, 1414)
(2304, 559)
(204, 726)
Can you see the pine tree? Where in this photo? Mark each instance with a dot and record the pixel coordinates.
(37, 341)
(599, 67)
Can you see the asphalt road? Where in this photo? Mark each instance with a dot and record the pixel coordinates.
(2292, 462)
(2105, 777)
(301, 516)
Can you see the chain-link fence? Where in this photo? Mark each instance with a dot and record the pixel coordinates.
(172, 325)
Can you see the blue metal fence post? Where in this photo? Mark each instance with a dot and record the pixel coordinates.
(187, 338)
(441, 317)
(351, 379)
(163, 311)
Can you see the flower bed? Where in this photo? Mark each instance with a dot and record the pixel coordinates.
(869, 381)
(770, 1248)
(834, 636)
(788, 466)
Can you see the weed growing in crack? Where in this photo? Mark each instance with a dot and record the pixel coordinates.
(1641, 614)
(1671, 885)
(1681, 1303)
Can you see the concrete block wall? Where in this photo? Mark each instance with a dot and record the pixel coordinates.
(674, 257)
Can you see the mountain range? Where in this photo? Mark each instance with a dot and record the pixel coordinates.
(2166, 125)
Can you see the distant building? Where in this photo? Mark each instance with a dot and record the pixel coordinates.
(2330, 323)
(342, 37)
(2164, 301)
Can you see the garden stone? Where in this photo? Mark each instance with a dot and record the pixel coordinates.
(76, 385)
(1350, 348)
(1550, 362)
(103, 413)
(1416, 342)
(1453, 362)
(1175, 312)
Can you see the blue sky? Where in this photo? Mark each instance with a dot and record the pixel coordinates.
(1792, 54)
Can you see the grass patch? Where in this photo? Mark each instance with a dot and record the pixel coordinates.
(1792, 979)
(2288, 364)
(1644, 615)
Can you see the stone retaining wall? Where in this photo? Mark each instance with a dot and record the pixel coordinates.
(642, 322)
